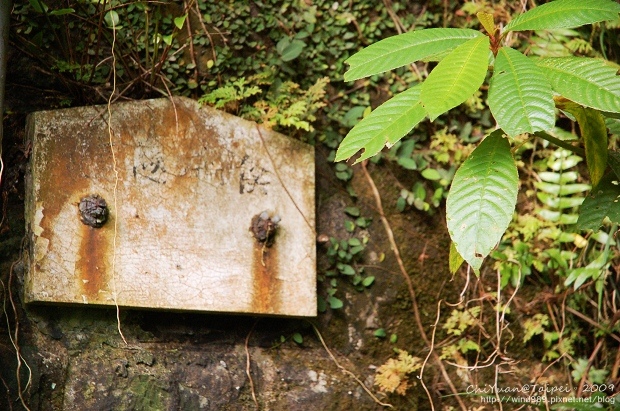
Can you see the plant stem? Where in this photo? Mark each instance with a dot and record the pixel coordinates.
(563, 144)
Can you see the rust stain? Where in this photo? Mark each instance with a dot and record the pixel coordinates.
(266, 285)
(58, 163)
(91, 266)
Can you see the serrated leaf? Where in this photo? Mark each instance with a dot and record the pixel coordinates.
(403, 49)
(455, 260)
(590, 82)
(594, 134)
(603, 201)
(520, 97)
(565, 14)
(456, 77)
(388, 123)
(482, 199)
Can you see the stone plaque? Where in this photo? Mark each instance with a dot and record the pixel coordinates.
(169, 205)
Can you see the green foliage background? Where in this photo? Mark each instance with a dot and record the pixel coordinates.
(283, 63)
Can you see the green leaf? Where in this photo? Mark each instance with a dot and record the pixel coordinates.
(482, 199)
(179, 21)
(334, 303)
(111, 18)
(367, 282)
(167, 39)
(356, 249)
(520, 97)
(404, 49)
(346, 269)
(352, 211)
(431, 174)
(61, 12)
(561, 190)
(388, 123)
(586, 81)
(380, 333)
(553, 201)
(297, 337)
(455, 260)
(594, 134)
(603, 201)
(38, 6)
(565, 14)
(581, 275)
(579, 369)
(487, 21)
(558, 178)
(289, 50)
(456, 77)
(407, 163)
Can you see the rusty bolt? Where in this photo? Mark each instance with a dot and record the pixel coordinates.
(264, 227)
(93, 210)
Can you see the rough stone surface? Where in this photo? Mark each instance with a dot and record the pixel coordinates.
(183, 186)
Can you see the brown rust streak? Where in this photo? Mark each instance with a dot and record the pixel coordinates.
(91, 266)
(59, 167)
(266, 285)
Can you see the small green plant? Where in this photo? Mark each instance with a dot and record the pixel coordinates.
(380, 333)
(523, 95)
(344, 257)
(276, 104)
(458, 324)
(594, 375)
(229, 96)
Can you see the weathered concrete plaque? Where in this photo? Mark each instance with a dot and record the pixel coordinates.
(172, 206)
